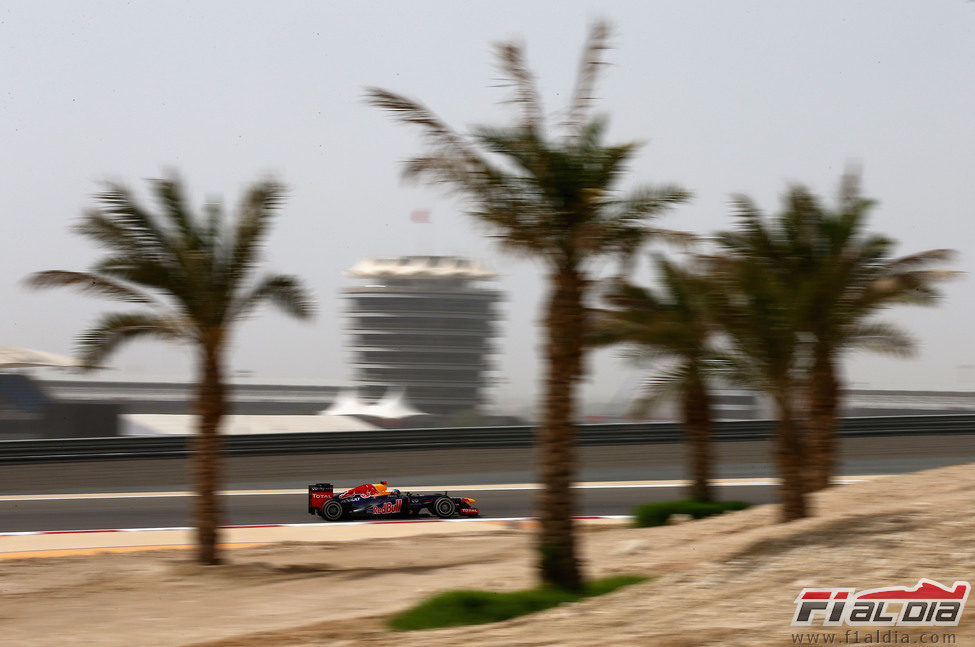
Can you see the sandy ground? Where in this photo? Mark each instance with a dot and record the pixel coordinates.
(729, 580)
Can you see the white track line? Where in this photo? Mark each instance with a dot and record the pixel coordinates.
(464, 488)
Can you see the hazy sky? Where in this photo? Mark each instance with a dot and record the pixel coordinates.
(732, 97)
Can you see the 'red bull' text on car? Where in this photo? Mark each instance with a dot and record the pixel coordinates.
(376, 500)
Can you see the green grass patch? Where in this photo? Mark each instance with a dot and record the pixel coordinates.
(480, 607)
(658, 512)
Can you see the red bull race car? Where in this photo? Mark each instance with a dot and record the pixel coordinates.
(376, 500)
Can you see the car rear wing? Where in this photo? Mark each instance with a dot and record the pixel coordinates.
(318, 493)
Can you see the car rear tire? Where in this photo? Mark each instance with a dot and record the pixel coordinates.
(331, 510)
(444, 507)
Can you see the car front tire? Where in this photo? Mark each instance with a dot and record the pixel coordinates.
(444, 507)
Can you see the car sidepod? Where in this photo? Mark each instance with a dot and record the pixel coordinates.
(384, 506)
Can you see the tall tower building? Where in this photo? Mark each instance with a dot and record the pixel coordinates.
(424, 324)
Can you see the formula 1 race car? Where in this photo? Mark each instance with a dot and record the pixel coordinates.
(375, 500)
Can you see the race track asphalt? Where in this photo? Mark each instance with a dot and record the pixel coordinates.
(251, 509)
(454, 467)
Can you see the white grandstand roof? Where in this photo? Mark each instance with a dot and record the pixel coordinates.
(153, 424)
(392, 406)
(11, 357)
(447, 267)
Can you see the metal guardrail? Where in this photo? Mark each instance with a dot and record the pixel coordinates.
(129, 447)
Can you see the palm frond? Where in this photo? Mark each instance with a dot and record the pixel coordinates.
(922, 259)
(648, 201)
(916, 287)
(684, 240)
(590, 65)
(663, 386)
(451, 160)
(258, 208)
(140, 271)
(850, 198)
(879, 337)
(214, 221)
(118, 205)
(169, 193)
(87, 283)
(511, 62)
(112, 330)
(285, 292)
(214, 240)
(414, 113)
(107, 233)
(526, 157)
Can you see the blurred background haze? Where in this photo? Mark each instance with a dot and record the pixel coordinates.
(731, 98)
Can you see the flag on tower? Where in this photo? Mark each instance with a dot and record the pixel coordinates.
(420, 215)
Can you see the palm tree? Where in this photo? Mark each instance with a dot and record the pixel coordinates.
(822, 277)
(757, 307)
(673, 324)
(848, 276)
(555, 198)
(193, 277)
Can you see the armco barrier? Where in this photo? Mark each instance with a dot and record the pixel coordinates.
(71, 449)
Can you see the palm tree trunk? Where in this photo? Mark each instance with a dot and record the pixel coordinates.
(206, 455)
(823, 401)
(697, 424)
(790, 457)
(559, 565)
